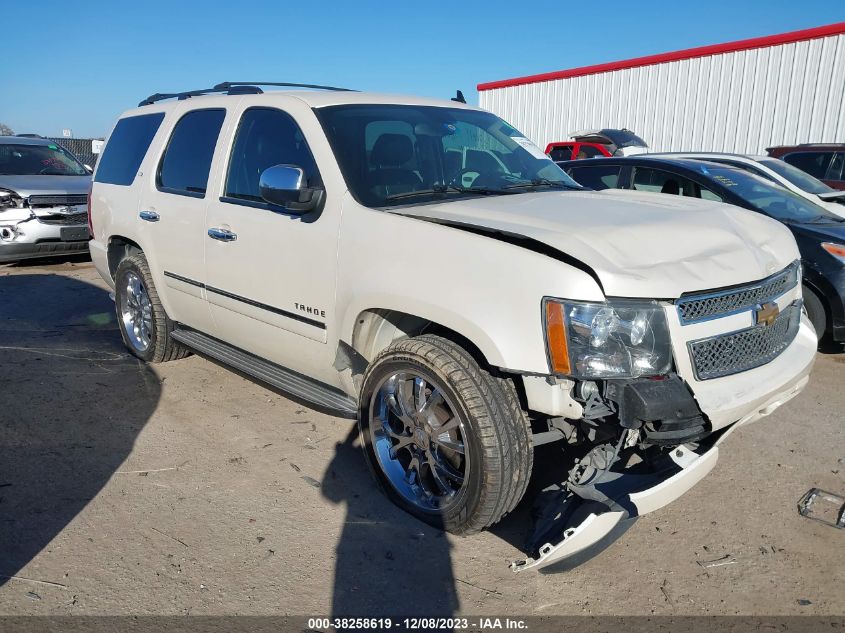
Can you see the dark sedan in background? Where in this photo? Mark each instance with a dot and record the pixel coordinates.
(820, 234)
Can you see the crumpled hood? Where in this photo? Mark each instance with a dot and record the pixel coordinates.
(26, 186)
(638, 244)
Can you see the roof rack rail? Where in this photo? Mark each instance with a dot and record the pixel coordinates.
(232, 88)
(227, 85)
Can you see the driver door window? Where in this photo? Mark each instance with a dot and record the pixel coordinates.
(265, 137)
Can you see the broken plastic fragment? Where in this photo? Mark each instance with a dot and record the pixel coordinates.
(824, 507)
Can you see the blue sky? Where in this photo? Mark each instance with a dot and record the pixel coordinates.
(79, 64)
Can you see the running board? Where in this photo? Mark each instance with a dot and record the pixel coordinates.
(283, 379)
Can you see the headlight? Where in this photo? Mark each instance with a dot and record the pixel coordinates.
(10, 200)
(837, 250)
(616, 339)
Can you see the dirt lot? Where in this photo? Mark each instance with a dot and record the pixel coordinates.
(186, 488)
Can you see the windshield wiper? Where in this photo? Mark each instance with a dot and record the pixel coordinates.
(824, 219)
(543, 182)
(444, 189)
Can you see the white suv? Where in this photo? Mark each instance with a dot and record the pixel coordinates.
(423, 267)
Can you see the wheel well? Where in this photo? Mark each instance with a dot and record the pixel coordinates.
(376, 328)
(119, 248)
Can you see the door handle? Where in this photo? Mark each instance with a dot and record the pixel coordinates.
(222, 235)
(149, 216)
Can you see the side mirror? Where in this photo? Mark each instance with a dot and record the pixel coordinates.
(284, 186)
(89, 169)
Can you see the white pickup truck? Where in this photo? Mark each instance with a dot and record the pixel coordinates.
(422, 266)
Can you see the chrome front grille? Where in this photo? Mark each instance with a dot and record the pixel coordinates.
(58, 200)
(64, 220)
(703, 307)
(731, 353)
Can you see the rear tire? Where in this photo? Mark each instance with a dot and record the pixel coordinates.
(485, 454)
(143, 323)
(815, 311)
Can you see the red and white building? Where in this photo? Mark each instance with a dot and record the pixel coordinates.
(737, 97)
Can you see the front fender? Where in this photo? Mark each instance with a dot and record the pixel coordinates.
(487, 290)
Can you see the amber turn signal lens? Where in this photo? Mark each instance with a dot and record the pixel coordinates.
(837, 250)
(556, 336)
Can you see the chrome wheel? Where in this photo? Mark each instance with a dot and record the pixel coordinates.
(419, 440)
(136, 312)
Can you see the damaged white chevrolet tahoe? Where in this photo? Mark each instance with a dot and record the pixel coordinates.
(424, 267)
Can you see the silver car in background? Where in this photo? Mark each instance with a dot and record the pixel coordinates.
(43, 200)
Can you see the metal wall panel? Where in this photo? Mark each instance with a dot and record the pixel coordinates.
(742, 101)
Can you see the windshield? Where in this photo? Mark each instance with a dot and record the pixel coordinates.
(624, 138)
(797, 177)
(393, 155)
(38, 160)
(771, 199)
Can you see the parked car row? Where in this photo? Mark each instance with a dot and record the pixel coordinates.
(748, 183)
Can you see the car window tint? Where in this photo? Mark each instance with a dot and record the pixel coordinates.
(706, 194)
(814, 163)
(835, 170)
(589, 151)
(596, 177)
(126, 148)
(561, 153)
(186, 162)
(266, 137)
(658, 181)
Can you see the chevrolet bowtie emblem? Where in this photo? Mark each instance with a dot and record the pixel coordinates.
(766, 314)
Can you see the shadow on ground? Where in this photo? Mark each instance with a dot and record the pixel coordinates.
(387, 562)
(72, 403)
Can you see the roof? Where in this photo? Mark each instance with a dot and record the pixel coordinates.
(837, 28)
(751, 158)
(24, 140)
(693, 164)
(312, 98)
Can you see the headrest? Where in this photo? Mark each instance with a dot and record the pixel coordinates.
(392, 150)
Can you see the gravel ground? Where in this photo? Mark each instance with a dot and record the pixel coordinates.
(185, 488)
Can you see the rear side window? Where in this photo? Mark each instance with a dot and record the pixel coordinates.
(187, 159)
(126, 148)
(560, 153)
(588, 151)
(596, 177)
(266, 137)
(837, 167)
(662, 182)
(814, 163)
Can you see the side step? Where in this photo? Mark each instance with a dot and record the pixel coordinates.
(283, 379)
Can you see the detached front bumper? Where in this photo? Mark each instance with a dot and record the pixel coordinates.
(616, 504)
(32, 238)
(593, 516)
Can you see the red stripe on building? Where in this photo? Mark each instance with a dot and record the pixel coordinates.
(689, 53)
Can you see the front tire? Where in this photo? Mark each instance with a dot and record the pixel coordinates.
(144, 325)
(446, 440)
(815, 311)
